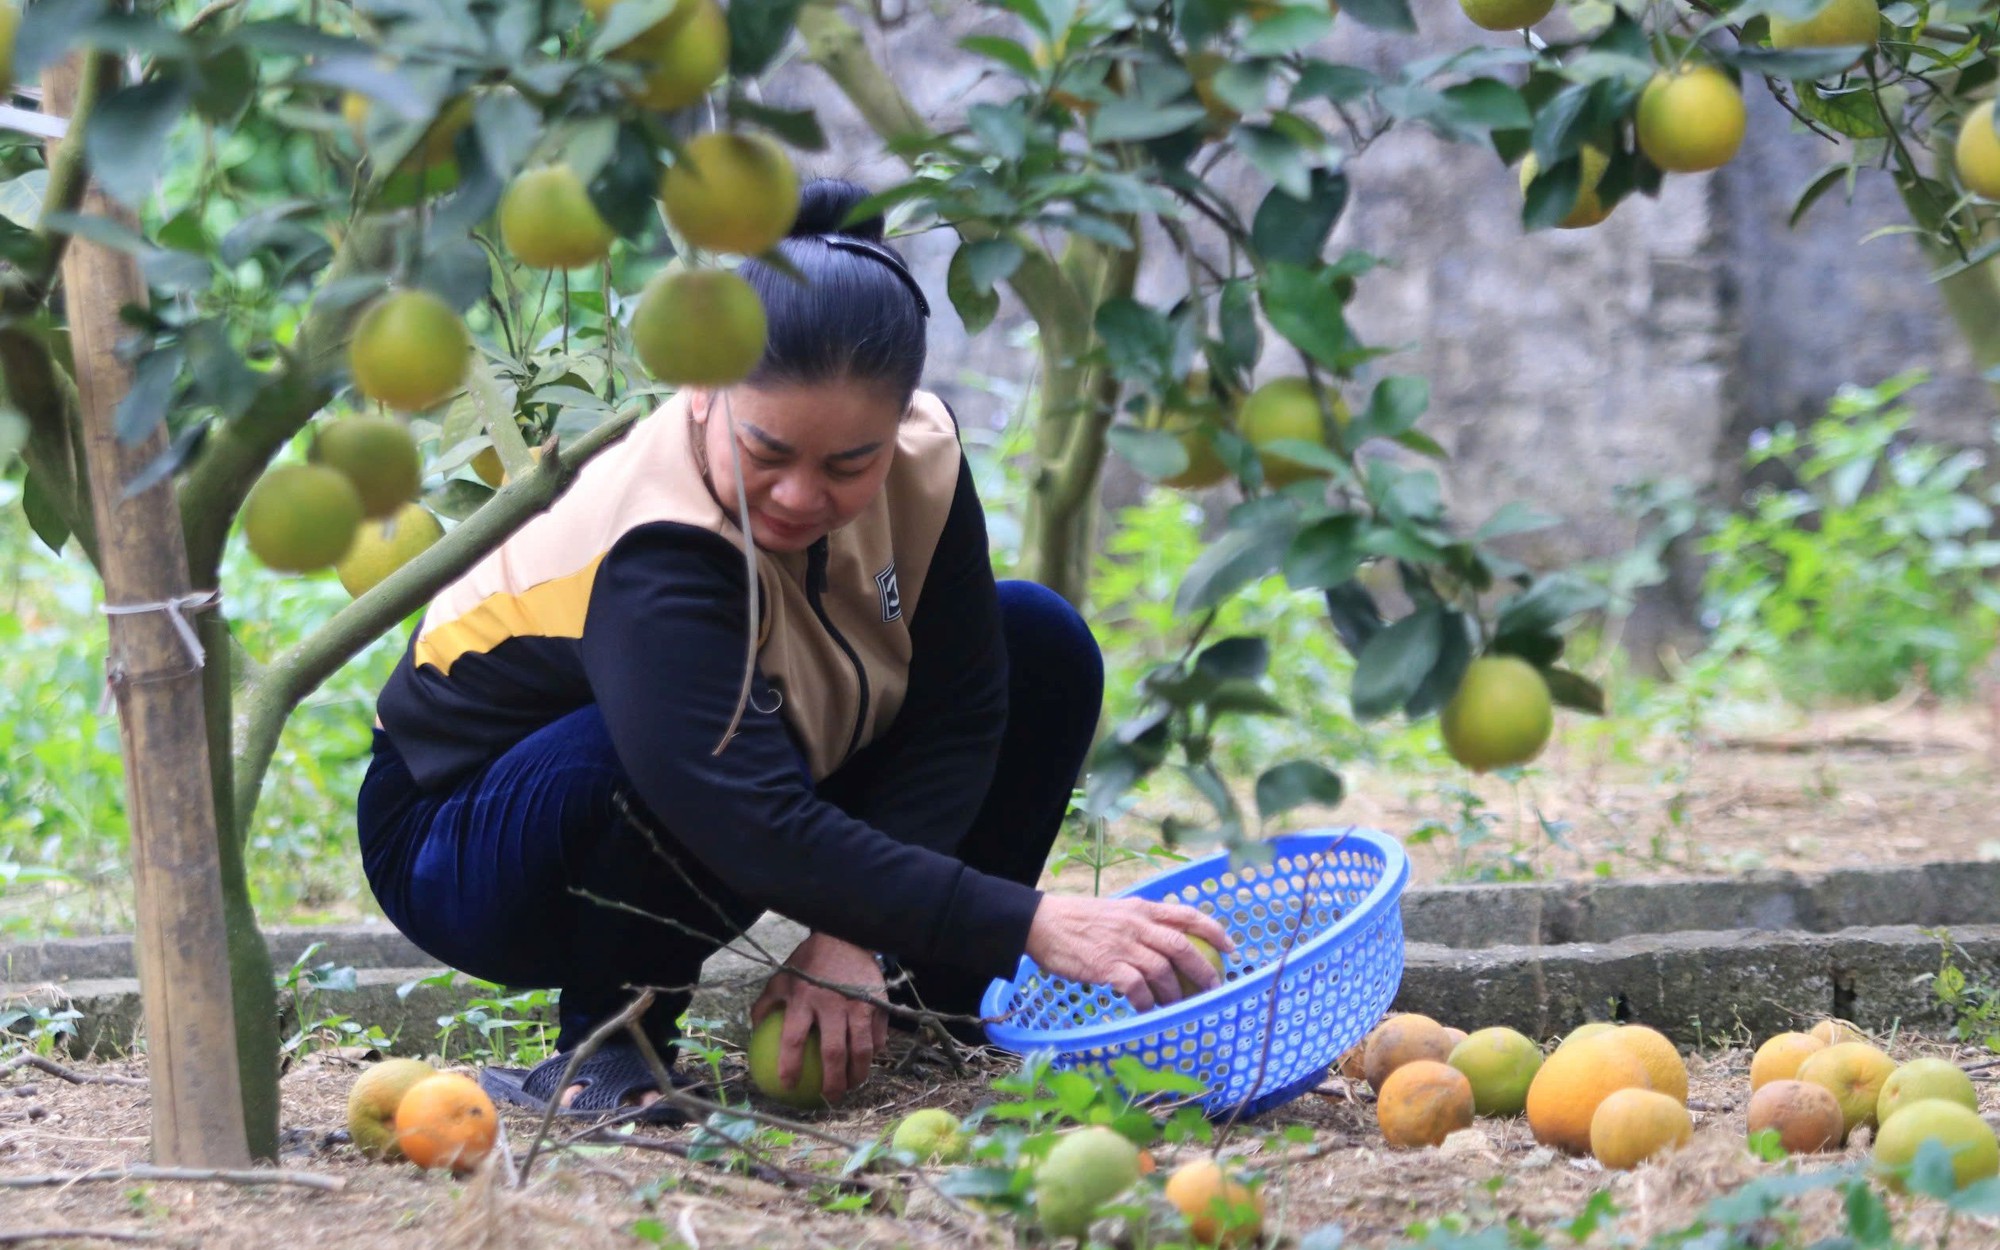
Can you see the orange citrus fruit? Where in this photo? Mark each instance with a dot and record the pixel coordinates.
(1806, 1116)
(409, 350)
(1219, 1211)
(1778, 1059)
(1084, 1170)
(1834, 1032)
(1587, 210)
(446, 1121)
(682, 56)
(1586, 1030)
(1400, 1039)
(1857, 22)
(1422, 1103)
(1666, 1072)
(372, 1101)
(1572, 1082)
(1633, 1125)
(1854, 1073)
(1977, 153)
(1919, 1079)
(382, 547)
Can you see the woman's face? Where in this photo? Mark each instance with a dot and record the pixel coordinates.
(813, 456)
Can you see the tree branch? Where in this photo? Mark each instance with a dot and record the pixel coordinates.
(25, 290)
(266, 702)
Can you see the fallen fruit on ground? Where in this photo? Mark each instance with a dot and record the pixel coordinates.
(547, 220)
(1587, 210)
(1505, 14)
(372, 1101)
(1975, 1154)
(1691, 120)
(1585, 1031)
(1400, 1039)
(1500, 717)
(1854, 1073)
(1572, 1084)
(446, 1121)
(378, 455)
(1919, 1079)
(765, 1050)
(1500, 1063)
(1976, 154)
(1084, 1170)
(1422, 1103)
(1857, 22)
(409, 350)
(1806, 1116)
(382, 547)
(932, 1134)
(731, 193)
(299, 518)
(1207, 952)
(699, 327)
(1834, 1032)
(1632, 1125)
(1219, 1211)
(1778, 1059)
(1666, 1071)
(1352, 1066)
(1286, 410)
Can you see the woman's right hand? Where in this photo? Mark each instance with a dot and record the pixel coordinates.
(1133, 945)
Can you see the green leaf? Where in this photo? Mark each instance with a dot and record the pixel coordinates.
(1243, 657)
(507, 127)
(1393, 407)
(1336, 84)
(1395, 662)
(1514, 517)
(1794, 63)
(1002, 128)
(43, 518)
(1324, 554)
(626, 187)
(1243, 698)
(1279, 157)
(1239, 557)
(1295, 783)
(145, 405)
(1155, 453)
(1288, 228)
(127, 135)
(1240, 338)
(21, 198)
(1868, 1220)
(1538, 649)
(1554, 135)
(1552, 194)
(1852, 113)
(1573, 690)
(47, 32)
(1389, 15)
(220, 376)
(757, 33)
(1354, 616)
(1124, 121)
(798, 127)
(459, 272)
(1485, 104)
(976, 308)
(1822, 182)
(992, 261)
(1291, 29)
(1981, 1199)
(1136, 748)
(627, 20)
(1138, 340)
(1305, 307)
(226, 84)
(1006, 51)
(1456, 639)
(1548, 603)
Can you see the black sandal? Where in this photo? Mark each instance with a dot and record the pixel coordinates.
(612, 1078)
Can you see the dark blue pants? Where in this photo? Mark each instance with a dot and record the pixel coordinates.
(527, 874)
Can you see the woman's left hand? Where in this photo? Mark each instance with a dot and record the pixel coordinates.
(850, 1030)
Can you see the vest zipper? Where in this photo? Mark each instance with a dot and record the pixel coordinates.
(816, 581)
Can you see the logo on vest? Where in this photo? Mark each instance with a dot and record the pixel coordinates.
(891, 595)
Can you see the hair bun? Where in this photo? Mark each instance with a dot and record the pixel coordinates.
(824, 204)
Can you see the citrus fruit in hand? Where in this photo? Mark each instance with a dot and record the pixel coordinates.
(547, 220)
(765, 1051)
(1207, 952)
(1500, 1063)
(301, 517)
(1402, 1038)
(1778, 1059)
(372, 1101)
(1854, 1073)
(382, 547)
(731, 193)
(1632, 1125)
(1805, 1116)
(1975, 1154)
(1919, 1079)
(1219, 1211)
(1285, 409)
(1840, 22)
(1690, 121)
(1587, 210)
(932, 1134)
(378, 455)
(446, 1121)
(1506, 14)
(1571, 1084)
(1977, 153)
(1422, 1103)
(1501, 715)
(699, 327)
(409, 350)
(1084, 1170)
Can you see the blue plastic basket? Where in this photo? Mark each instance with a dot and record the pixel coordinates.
(1339, 979)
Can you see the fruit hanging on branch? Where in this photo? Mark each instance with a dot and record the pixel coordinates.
(409, 350)
(731, 193)
(699, 327)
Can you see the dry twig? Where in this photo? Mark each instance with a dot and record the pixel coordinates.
(143, 1172)
(22, 1236)
(71, 1075)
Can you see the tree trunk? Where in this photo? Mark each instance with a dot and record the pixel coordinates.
(180, 946)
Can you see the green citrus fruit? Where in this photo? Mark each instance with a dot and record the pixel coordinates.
(1585, 1031)
(1207, 952)
(1977, 153)
(1286, 409)
(933, 1135)
(699, 327)
(764, 1054)
(382, 547)
(547, 220)
(372, 1101)
(487, 465)
(1854, 1073)
(1587, 210)
(378, 455)
(10, 22)
(1501, 1064)
(1204, 466)
(681, 56)
(1084, 1170)
(1919, 1079)
(731, 193)
(1500, 716)
(1506, 14)
(301, 517)
(1975, 1154)
(1840, 22)
(409, 350)
(1690, 121)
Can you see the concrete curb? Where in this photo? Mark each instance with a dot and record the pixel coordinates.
(1699, 959)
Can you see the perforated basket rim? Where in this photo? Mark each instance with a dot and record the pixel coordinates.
(1384, 894)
